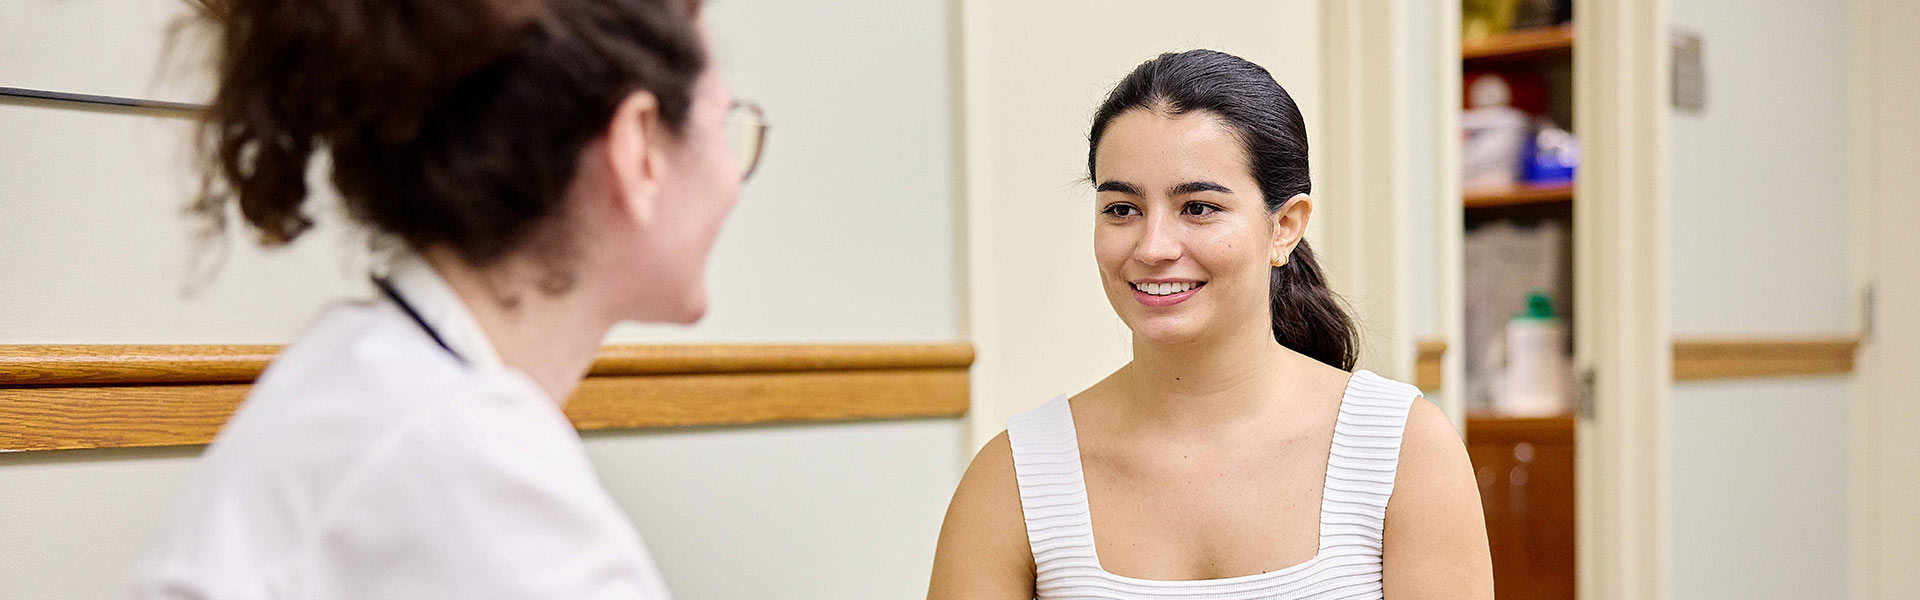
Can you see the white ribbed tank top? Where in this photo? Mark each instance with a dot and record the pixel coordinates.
(1366, 448)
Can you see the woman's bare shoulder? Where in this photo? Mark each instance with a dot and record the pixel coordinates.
(1436, 538)
(983, 551)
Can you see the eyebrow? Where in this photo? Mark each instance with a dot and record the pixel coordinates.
(1178, 190)
(1199, 186)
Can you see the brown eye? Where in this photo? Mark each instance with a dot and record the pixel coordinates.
(1199, 209)
(1121, 210)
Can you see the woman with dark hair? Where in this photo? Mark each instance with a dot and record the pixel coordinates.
(1236, 456)
(539, 170)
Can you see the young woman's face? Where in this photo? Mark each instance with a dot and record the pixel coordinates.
(1182, 236)
(698, 188)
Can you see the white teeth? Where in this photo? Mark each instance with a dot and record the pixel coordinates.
(1165, 289)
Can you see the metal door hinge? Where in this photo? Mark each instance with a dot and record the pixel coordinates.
(1867, 314)
(1583, 394)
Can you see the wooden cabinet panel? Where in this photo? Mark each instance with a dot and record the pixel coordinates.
(1525, 468)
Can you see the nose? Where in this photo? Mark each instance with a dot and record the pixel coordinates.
(1160, 242)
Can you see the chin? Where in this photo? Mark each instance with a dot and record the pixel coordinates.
(685, 308)
(1161, 332)
(691, 311)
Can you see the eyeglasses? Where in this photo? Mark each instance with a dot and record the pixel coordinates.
(746, 135)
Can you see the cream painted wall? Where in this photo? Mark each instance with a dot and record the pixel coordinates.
(1032, 75)
(1761, 246)
(97, 47)
(1760, 489)
(1424, 198)
(847, 234)
(97, 197)
(1761, 187)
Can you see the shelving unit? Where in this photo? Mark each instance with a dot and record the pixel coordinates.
(1500, 428)
(1528, 44)
(1525, 466)
(1524, 195)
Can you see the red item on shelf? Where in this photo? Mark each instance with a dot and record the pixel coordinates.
(1526, 90)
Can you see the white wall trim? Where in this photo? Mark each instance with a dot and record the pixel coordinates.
(1621, 70)
(1362, 168)
(972, 115)
(1452, 217)
(1884, 496)
(1861, 547)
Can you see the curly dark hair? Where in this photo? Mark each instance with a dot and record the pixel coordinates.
(447, 122)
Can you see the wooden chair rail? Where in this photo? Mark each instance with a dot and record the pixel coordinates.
(1705, 359)
(55, 397)
(1709, 359)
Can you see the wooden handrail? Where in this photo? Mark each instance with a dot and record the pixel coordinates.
(1706, 359)
(1732, 358)
(56, 397)
(87, 364)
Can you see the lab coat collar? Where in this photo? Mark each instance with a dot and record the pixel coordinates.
(441, 308)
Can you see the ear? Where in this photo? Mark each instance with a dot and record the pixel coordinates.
(1289, 226)
(635, 143)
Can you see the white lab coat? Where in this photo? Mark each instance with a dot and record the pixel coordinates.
(369, 462)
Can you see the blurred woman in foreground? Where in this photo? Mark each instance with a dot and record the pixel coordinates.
(544, 169)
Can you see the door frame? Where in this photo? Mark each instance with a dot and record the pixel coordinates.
(1621, 61)
(1885, 532)
(1361, 164)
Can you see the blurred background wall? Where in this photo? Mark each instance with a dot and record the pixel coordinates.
(1761, 243)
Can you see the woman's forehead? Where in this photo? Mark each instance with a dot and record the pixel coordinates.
(1150, 145)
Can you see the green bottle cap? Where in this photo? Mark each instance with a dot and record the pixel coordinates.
(1539, 306)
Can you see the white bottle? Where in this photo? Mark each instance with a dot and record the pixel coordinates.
(1535, 381)
(1494, 133)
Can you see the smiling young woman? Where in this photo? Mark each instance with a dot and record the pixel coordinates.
(1236, 455)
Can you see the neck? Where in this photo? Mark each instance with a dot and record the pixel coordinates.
(552, 338)
(1203, 384)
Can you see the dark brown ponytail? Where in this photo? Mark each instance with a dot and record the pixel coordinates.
(1307, 317)
(451, 122)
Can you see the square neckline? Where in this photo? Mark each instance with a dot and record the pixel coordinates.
(1320, 525)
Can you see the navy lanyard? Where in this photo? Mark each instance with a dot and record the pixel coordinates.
(387, 288)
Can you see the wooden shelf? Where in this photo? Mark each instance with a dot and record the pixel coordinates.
(1518, 196)
(1524, 44)
(1496, 428)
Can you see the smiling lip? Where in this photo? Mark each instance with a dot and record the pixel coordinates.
(1166, 300)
